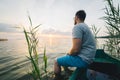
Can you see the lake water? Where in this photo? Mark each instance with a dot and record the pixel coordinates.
(13, 61)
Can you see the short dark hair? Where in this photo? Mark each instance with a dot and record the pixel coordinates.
(81, 14)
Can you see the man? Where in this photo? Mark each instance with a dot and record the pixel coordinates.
(83, 49)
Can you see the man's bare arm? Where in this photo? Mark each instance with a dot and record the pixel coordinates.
(76, 46)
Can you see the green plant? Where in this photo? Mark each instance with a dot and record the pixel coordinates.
(112, 19)
(32, 42)
(45, 61)
(95, 32)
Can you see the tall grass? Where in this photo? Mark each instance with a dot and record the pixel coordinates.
(45, 61)
(95, 32)
(112, 19)
(32, 43)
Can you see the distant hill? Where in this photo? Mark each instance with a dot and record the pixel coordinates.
(7, 28)
(3, 39)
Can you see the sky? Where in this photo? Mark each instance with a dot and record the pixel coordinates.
(52, 14)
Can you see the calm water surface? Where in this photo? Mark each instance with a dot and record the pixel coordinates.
(13, 61)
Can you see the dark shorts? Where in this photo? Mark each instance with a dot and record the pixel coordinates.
(71, 61)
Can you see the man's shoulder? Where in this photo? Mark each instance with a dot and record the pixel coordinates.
(81, 26)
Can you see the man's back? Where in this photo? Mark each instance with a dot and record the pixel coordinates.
(83, 46)
(88, 46)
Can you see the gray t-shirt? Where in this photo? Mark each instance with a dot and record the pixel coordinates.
(88, 46)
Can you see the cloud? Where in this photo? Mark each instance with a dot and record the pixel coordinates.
(55, 32)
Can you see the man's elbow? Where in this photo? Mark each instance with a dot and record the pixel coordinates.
(76, 49)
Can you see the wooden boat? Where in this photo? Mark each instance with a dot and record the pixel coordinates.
(102, 63)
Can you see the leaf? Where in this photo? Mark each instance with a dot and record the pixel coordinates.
(30, 20)
(45, 60)
(36, 27)
(28, 57)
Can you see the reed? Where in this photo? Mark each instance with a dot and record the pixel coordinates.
(95, 32)
(45, 61)
(45, 65)
(112, 20)
(32, 43)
